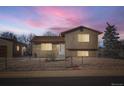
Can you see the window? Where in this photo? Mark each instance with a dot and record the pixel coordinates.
(83, 38)
(82, 53)
(17, 48)
(46, 46)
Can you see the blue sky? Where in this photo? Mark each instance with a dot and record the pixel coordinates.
(38, 20)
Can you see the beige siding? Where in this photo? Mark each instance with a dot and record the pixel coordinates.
(9, 47)
(74, 53)
(36, 48)
(71, 40)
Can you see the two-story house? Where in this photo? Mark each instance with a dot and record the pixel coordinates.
(79, 41)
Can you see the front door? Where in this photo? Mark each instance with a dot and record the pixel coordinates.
(61, 50)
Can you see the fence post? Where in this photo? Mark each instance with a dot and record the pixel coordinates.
(82, 60)
(6, 63)
(65, 61)
(71, 61)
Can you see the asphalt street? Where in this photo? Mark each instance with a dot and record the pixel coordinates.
(64, 81)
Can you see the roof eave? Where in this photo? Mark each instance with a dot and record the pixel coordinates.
(80, 27)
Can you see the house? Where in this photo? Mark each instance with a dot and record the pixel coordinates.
(79, 41)
(47, 46)
(11, 48)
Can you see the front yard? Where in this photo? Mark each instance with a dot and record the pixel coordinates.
(40, 64)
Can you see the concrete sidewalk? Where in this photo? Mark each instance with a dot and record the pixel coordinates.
(64, 73)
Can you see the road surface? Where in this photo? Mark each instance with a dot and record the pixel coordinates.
(64, 81)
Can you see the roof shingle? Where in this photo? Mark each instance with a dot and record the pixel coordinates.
(48, 39)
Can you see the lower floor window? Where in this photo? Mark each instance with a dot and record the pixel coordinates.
(82, 53)
(46, 46)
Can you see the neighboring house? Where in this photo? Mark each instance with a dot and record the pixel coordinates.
(79, 41)
(11, 48)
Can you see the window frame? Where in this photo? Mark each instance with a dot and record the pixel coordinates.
(83, 54)
(81, 38)
(43, 47)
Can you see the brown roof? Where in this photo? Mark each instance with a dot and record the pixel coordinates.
(48, 39)
(12, 40)
(79, 27)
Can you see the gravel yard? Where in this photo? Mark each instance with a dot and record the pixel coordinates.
(40, 64)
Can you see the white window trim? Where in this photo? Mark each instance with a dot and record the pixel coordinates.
(82, 53)
(46, 47)
(85, 38)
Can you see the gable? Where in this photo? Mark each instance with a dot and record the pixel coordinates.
(80, 28)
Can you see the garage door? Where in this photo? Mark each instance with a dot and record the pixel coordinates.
(3, 51)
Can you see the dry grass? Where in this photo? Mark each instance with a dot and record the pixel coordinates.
(35, 64)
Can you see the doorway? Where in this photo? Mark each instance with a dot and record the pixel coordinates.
(61, 50)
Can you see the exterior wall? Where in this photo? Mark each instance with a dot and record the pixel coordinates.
(71, 45)
(36, 49)
(74, 53)
(15, 52)
(71, 42)
(9, 47)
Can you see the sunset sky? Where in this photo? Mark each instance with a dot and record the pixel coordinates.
(38, 20)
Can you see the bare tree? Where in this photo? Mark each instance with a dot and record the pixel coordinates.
(29, 45)
(27, 40)
(23, 38)
(8, 35)
(49, 34)
(30, 37)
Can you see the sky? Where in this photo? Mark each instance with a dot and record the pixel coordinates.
(38, 20)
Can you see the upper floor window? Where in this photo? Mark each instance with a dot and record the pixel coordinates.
(83, 37)
(46, 46)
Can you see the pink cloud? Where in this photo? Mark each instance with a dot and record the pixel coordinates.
(74, 21)
(52, 11)
(61, 16)
(7, 17)
(34, 23)
(58, 29)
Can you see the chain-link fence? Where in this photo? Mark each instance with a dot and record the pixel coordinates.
(71, 63)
